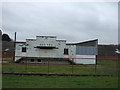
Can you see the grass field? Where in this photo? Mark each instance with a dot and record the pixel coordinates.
(17, 81)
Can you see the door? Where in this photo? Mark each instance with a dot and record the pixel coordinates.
(46, 53)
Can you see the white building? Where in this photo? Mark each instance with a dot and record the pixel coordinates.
(47, 49)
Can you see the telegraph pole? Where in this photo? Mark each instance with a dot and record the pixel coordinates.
(14, 46)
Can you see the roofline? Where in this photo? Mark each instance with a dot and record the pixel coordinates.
(81, 42)
(48, 36)
(60, 40)
(87, 41)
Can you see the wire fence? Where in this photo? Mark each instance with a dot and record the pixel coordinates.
(62, 66)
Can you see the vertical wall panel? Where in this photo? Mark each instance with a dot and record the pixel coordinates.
(86, 50)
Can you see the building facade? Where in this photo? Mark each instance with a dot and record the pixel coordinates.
(47, 49)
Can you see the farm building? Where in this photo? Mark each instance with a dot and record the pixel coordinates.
(47, 49)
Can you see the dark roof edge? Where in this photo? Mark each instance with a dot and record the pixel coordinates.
(20, 42)
(82, 42)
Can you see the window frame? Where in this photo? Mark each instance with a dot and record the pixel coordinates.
(24, 49)
(66, 51)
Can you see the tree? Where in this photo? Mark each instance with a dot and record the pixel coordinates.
(5, 37)
(0, 35)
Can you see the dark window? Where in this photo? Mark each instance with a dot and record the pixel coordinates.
(39, 60)
(23, 49)
(32, 60)
(66, 51)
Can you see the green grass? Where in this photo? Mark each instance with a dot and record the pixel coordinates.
(54, 69)
(108, 63)
(16, 81)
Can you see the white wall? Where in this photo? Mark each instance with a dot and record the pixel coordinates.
(71, 51)
(60, 51)
(41, 41)
(85, 59)
(45, 41)
(18, 51)
(31, 50)
(56, 52)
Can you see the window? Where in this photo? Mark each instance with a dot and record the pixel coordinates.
(32, 60)
(23, 49)
(39, 60)
(66, 51)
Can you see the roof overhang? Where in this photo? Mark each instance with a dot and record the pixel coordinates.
(20, 42)
(46, 47)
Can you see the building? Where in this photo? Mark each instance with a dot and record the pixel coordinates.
(47, 49)
(0, 45)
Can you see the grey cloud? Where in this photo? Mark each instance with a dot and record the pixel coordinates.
(72, 21)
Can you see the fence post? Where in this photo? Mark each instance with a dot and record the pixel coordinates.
(26, 65)
(96, 64)
(72, 65)
(48, 65)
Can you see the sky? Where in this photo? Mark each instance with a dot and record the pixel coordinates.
(72, 21)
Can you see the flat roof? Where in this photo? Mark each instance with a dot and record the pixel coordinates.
(47, 36)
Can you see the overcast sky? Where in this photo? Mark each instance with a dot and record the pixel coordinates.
(75, 21)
